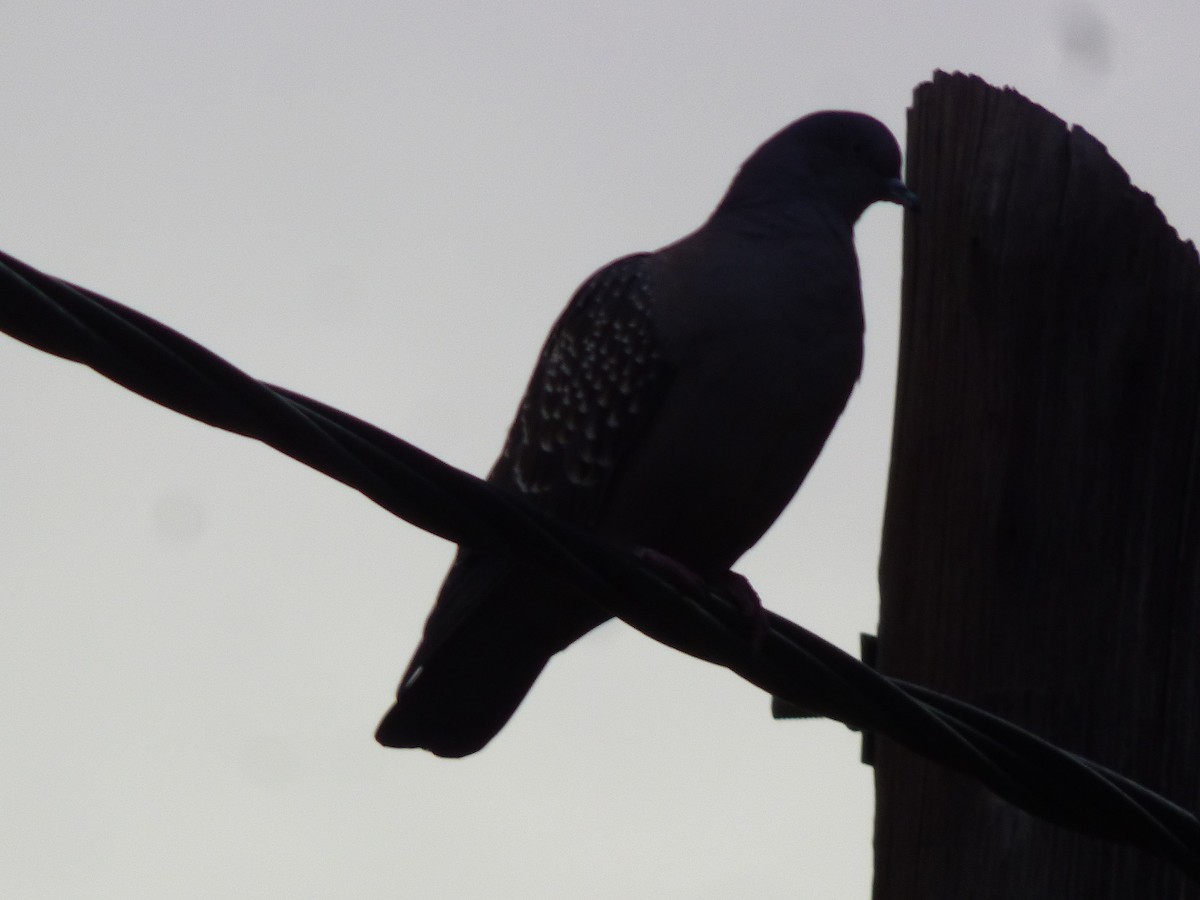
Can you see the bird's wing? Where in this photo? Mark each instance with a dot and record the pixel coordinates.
(598, 382)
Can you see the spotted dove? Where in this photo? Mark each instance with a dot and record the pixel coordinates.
(677, 404)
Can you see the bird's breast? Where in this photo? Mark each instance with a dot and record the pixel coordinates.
(744, 419)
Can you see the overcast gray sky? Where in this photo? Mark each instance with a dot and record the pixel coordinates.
(385, 205)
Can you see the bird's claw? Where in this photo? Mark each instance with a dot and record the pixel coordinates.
(739, 588)
(735, 586)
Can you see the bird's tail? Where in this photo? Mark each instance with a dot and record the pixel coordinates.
(492, 631)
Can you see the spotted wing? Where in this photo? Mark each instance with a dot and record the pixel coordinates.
(597, 384)
(598, 381)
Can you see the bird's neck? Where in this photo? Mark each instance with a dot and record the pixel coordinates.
(746, 272)
(774, 217)
(781, 224)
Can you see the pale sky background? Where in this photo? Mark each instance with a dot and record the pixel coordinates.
(385, 205)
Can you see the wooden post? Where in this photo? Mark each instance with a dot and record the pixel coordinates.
(1041, 553)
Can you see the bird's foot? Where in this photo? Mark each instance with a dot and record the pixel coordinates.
(736, 586)
(750, 604)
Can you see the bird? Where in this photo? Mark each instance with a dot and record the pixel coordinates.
(679, 401)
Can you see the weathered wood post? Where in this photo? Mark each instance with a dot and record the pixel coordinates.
(1041, 554)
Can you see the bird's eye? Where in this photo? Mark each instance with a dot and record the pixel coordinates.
(857, 148)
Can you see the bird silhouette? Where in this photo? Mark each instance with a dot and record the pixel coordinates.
(678, 403)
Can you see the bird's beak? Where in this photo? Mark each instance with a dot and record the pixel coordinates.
(898, 192)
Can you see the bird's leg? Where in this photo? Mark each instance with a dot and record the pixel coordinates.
(735, 586)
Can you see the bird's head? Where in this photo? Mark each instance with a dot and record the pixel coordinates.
(844, 161)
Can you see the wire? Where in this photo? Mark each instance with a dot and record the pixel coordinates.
(789, 662)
